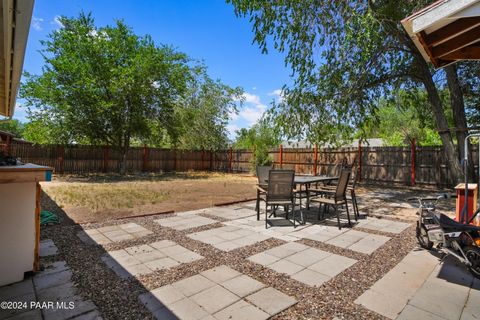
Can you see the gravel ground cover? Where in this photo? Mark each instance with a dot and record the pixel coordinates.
(118, 298)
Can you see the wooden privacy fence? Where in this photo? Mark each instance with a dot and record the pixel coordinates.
(403, 165)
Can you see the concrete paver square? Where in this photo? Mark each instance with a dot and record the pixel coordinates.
(146, 258)
(150, 301)
(16, 290)
(214, 299)
(220, 274)
(47, 248)
(149, 256)
(413, 313)
(186, 257)
(242, 285)
(184, 221)
(263, 258)
(186, 309)
(223, 296)
(285, 266)
(109, 234)
(332, 265)
(193, 285)
(139, 249)
(162, 244)
(271, 300)
(167, 294)
(308, 257)
(162, 263)
(432, 297)
(241, 310)
(369, 244)
(310, 277)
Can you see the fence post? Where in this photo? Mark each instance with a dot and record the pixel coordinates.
(211, 160)
(145, 158)
(413, 162)
(61, 157)
(105, 159)
(281, 156)
(230, 161)
(359, 171)
(203, 159)
(315, 159)
(175, 160)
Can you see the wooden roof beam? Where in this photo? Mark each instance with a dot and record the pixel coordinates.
(464, 39)
(465, 53)
(451, 30)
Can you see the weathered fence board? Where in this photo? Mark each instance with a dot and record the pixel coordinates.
(374, 164)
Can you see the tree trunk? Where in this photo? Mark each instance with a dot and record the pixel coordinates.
(441, 122)
(459, 117)
(124, 149)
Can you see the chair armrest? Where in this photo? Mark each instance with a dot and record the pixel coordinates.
(261, 189)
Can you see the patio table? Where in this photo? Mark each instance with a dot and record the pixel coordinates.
(306, 181)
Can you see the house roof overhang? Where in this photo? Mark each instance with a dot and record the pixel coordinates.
(15, 17)
(447, 31)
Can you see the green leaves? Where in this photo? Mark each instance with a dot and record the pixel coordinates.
(106, 85)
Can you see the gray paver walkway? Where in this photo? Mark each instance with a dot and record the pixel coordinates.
(422, 287)
(50, 286)
(230, 213)
(383, 225)
(185, 221)
(110, 234)
(228, 238)
(47, 248)
(345, 238)
(219, 293)
(303, 263)
(145, 258)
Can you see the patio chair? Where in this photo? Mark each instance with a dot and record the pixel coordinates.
(262, 185)
(280, 192)
(338, 198)
(330, 190)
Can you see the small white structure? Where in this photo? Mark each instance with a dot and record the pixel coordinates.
(19, 185)
(447, 31)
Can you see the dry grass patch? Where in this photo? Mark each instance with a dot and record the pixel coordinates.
(102, 196)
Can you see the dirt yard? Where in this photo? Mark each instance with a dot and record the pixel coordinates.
(103, 197)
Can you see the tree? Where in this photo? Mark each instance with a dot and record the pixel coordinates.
(104, 85)
(345, 56)
(401, 120)
(261, 137)
(12, 126)
(203, 115)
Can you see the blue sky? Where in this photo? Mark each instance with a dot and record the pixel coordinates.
(206, 30)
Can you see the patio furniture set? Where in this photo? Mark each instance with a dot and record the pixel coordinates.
(283, 188)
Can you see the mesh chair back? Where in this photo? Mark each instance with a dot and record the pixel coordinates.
(280, 185)
(262, 174)
(342, 185)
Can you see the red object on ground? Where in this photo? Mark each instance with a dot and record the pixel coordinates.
(472, 200)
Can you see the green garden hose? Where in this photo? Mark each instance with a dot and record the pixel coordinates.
(47, 217)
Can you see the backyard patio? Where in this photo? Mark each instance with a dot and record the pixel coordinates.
(221, 263)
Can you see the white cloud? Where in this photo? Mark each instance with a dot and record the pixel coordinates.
(231, 128)
(56, 20)
(253, 114)
(278, 93)
(253, 109)
(37, 23)
(251, 98)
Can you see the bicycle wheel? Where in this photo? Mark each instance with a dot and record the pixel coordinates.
(422, 237)
(473, 255)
